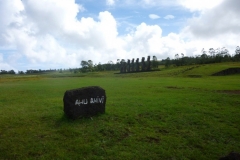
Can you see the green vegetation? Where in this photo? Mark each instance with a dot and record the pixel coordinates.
(166, 114)
(207, 57)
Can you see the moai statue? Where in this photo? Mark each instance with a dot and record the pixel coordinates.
(148, 63)
(121, 67)
(143, 64)
(124, 67)
(137, 65)
(132, 65)
(128, 65)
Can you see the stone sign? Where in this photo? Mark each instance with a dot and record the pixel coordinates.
(84, 102)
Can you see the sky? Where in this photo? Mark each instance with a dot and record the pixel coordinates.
(54, 34)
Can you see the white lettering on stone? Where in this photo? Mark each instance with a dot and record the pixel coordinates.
(101, 100)
(96, 100)
(92, 101)
(79, 102)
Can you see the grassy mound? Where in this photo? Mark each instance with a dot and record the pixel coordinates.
(155, 115)
(228, 71)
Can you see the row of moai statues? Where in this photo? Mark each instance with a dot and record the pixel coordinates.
(136, 66)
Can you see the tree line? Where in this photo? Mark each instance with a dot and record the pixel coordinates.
(7, 72)
(211, 56)
(30, 71)
(207, 56)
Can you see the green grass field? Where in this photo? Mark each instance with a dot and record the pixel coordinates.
(156, 115)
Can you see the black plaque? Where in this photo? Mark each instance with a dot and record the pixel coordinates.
(84, 102)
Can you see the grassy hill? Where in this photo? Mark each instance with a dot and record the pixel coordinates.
(167, 114)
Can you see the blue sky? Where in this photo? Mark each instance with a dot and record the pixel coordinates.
(170, 18)
(61, 33)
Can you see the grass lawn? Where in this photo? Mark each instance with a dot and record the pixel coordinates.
(157, 115)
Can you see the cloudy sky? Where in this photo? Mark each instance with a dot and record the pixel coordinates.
(44, 34)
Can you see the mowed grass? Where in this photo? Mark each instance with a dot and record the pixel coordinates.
(158, 115)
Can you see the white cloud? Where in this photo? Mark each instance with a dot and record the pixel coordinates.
(148, 40)
(169, 17)
(10, 12)
(154, 16)
(145, 3)
(192, 5)
(199, 5)
(1, 57)
(5, 65)
(220, 24)
(143, 40)
(221, 20)
(53, 35)
(51, 15)
(48, 33)
(110, 2)
(157, 2)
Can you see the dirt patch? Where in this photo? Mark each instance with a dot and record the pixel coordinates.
(154, 70)
(174, 87)
(195, 76)
(228, 71)
(229, 91)
(184, 70)
(152, 139)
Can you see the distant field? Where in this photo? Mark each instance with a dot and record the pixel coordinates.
(175, 113)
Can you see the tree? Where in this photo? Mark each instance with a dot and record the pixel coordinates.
(20, 72)
(237, 54)
(11, 72)
(176, 56)
(167, 62)
(118, 64)
(122, 61)
(109, 66)
(211, 52)
(84, 65)
(3, 72)
(182, 55)
(99, 67)
(237, 51)
(224, 51)
(90, 65)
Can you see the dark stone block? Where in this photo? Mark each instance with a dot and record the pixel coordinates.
(128, 65)
(84, 102)
(137, 65)
(124, 67)
(132, 65)
(228, 71)
(231, 156)
(121, 68)
(143, 64)
(148, 63)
